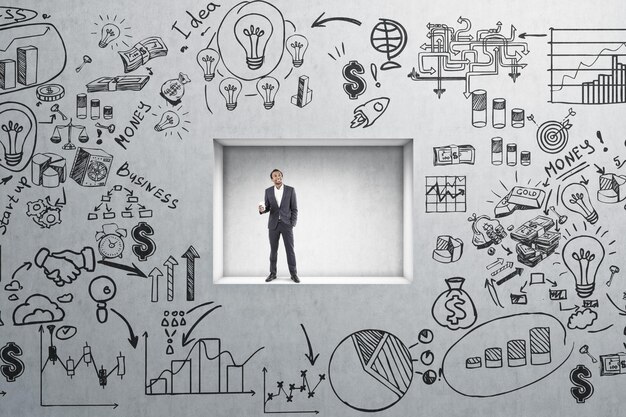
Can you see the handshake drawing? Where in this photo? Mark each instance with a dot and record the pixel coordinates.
(65, 266)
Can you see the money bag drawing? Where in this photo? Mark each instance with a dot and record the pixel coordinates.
(454, 308)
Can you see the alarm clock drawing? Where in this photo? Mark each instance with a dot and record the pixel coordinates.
(110, 241)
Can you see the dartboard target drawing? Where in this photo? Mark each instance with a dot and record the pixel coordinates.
(552, 136)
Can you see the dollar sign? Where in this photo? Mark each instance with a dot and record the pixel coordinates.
(14, 367)
(583, 388)
(146, 246)
(453, 305)
(173, 88)
(355, 85)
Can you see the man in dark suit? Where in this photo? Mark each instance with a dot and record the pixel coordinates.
(280, 202)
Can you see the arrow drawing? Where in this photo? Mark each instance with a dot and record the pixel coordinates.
(5, 180)
(26, 265)
(169, 264)
(517, 272)
(499, 261)
(310, 356)
(155, 274)
(523, 288)
(133, 340)
(320, 23)
(186, 340)
(191, 255)
(132, 270)
(502, 268)
(535, 35)
(490, 285)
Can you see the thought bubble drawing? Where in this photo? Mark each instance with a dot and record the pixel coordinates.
(37, 309)
(582, 319)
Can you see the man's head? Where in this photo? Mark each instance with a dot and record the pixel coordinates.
(277, 177)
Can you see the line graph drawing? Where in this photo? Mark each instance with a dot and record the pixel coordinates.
(287, 392)
(587, 66)
(71, 369)
(446, 194)
(201, 372)
(29, 36)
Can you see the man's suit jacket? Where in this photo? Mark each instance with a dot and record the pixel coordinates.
(288, 210)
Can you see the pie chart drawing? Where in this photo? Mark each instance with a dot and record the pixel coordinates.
(370, 370)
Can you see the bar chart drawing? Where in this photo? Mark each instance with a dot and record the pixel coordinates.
(206, 369)
(506, 354)
(30, 55)
(516, 352)
(587, 66)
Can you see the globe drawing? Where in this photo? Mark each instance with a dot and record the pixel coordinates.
(370, 370)
(389, 37)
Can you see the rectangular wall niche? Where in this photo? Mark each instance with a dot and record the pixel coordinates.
(355, 210)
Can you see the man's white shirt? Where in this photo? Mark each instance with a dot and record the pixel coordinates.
(278, 194)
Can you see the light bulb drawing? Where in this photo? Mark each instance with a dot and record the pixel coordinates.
(102, 289)
(576, 198)
(230, 88)
(296, 46)
(169, 120)
(18, 133)
(108, 34)
(208, 59)
(111, 31)
(251, 40)
(253, 31)
(12, 153)
(172, 122)
(583, 256)
(267, 88)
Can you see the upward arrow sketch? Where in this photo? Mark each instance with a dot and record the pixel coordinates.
(169, 264)
(191, 255)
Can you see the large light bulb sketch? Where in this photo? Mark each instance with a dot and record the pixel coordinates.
(208, 59)
(109, 33)
(18, 134)
(583, 255)
(576, 198)
(296, 46)
(251, 40)
(230, 88)
(253, 31)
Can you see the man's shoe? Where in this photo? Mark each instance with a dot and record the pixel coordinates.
(270, 278)
(295, 279)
